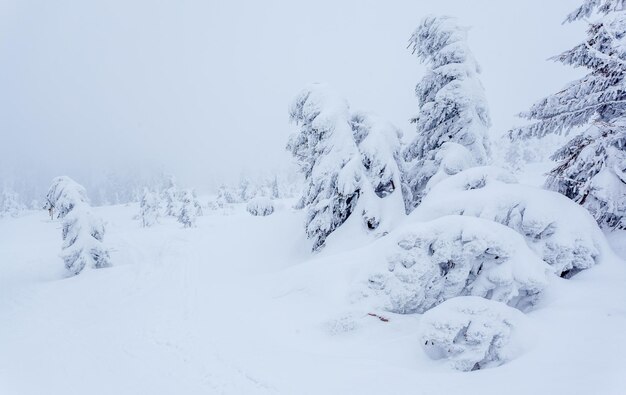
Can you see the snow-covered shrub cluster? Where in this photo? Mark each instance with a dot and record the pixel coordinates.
(453, 110)
(83, 231)
(561, 232)
(592, 165)
(274, 187)
(345, 159)
(10, 204)
(473, 333)
(430, 262)
(260, 206)
(170, 201)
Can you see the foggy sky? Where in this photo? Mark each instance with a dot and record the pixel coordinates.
(201, 88)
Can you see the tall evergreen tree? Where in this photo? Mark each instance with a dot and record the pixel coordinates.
(592, 165)
(452, 105)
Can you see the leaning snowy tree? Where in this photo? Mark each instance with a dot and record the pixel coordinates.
(453, 116)
(83, 231)
(592, 165)
(328, 158)
(336, 168)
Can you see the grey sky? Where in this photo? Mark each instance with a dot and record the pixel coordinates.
(201, 88)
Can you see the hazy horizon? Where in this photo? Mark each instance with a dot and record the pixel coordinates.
(200, 89)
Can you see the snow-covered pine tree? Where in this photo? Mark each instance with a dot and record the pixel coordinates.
(188, 210)
(171, 196)
(328, 158)
(83, 231)
(592, 168)
(452, 106)
(149, 208)
(378, 142)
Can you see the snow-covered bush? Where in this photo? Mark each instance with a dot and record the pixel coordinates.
(592, 165)
(429, 262)
(260, 206)
(561, 232)
(473, 333)
(452, 104)
(83, 231)
(149, 208)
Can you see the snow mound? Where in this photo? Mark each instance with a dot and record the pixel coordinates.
(260, 206)
(455, 255)
(473, 333)
(560, 231)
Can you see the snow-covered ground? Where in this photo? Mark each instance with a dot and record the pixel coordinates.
(238, 305)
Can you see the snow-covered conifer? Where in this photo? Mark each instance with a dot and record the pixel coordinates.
(188, 209)
(452, 104)
(83, 231)
(592, 165)
(329, 159)
(149, 208)
(172, 198)
(378, 142)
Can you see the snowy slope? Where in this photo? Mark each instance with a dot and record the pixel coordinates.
(239, 306)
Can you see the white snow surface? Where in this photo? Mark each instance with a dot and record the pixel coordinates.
(238, 305)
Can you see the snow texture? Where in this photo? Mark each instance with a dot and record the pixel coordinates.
(430, 262)
(473, 333)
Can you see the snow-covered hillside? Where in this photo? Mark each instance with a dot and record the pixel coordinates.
(237, 305)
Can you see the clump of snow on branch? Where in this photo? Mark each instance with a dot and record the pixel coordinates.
(473, 333)
(429, 262)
